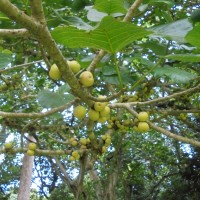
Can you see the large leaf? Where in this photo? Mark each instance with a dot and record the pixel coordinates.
(175, 74)
(110, 35)
(174, 31)
(48, 99)
(193, 36)
(5, 59)
(110, 6)
(184, 57)
(169, 3)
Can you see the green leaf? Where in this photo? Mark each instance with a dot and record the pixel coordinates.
(169, 3)
(184, 57)
(174, 31)
(193, 36)
(5, 59)
(110, 6)
(48, 99)
(175, 74)
(111, 35)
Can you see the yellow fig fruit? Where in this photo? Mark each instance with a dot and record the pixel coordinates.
(86, 79)
(32, 146)
(143, 126)
(74, 65)
(30, 152)
(54, 72)
(79, 112)
(8, 145)
(143, 116)
(105, 112)
(99, 106)
(93, 115)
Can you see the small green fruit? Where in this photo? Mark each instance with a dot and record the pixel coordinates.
(54, 72)
(74, 65)
(143, 126)
(71, 158)
(32, 146)
(86, 79)
(93, 115)
(79, 112)
(143, 116)
(83, 141)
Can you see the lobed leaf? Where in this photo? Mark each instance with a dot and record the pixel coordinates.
(110, 35)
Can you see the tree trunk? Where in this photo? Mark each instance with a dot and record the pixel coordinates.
(26, 176)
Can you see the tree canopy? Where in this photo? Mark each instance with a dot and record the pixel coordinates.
(103, 95)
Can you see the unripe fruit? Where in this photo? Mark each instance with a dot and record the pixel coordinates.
(143, 126)
(32, 146)
(143, 116)
(30, 152)
(105, 112)
(79, 112)
(107, 142)
(86, 79)
(104, 137)
(74, 66)
(54, 72)
(8, 145)
(93, 115)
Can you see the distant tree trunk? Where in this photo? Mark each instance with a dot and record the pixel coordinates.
(26, 176)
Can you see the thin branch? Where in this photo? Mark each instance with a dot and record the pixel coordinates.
(6, 33)
(166, 132)
(20, 66)
(191, 90)
(36, 115)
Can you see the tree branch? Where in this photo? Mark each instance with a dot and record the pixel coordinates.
(6, 33)
(36, 115)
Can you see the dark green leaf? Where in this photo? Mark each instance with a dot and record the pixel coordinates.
(111, 35)
(110, 6)
(5, 59)
(175, 74)
(193, 36)
(48, 99)
(184, 57)
(173, 31)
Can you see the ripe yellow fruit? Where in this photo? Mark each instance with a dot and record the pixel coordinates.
(75, 154)
(93, 115)
(8, 145)
(143, 126)
(86, 79)
(99, 106)
(143, 116)
(83, 141)
(102, 120)
(30, 152)
(71, 158)
(79, 112)
(74, 143)
(105, 112)
(54, 72)
(103, 149)
(32, 146)
(92, 136)
(74, 65)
